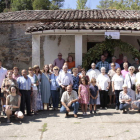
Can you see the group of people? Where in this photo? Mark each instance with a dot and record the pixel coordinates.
(61, 83)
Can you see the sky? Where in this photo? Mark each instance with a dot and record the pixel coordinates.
(72, 4)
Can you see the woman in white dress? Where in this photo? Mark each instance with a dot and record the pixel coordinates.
(130, 81)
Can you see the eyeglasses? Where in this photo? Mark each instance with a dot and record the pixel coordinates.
(130, 69)
(59, 55)
(112, 65)
(55, 69)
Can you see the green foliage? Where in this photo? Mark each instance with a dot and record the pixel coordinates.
(56, 4)
(81, 4)
(108, 45)
(119, 4)
(2, 5)
(41, 5)
(18, 5)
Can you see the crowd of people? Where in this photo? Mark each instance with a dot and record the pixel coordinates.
(63, 85)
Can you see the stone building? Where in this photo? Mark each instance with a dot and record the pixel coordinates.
(36, 37)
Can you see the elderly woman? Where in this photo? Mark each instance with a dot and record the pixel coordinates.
(125, 99)
(130, 81)
(138, 76)
(111, 73)
(125, 70)
(39, 99)
(7, 82)
(15, 73)
(45, 86)
(103, 83)
(136, 103)
(13, 101)
(55, 88)
(75, 79)
(117, 82)
(34, 81)
(71, 62)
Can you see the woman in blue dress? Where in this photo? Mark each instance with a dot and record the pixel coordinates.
(45, 86)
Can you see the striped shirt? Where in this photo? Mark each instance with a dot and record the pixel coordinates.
(23, 83)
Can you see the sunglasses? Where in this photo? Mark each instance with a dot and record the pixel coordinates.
(131, 69)
(112, 65)
(55, 69)
(59, 55)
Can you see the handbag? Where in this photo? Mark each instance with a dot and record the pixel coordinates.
(133, 87)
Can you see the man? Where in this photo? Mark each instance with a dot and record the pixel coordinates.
(124, 60)
(114, 61)
(69, 101)
(59, 61)
(136, 64)
(64, 79)
(103, 63)
(120, 60)
(25, 87)
(93, 73)
(3, 73)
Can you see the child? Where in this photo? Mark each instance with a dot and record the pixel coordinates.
(93, 95)
(84, 94)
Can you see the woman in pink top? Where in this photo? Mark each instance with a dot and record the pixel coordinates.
(15, 73)
(125, 70)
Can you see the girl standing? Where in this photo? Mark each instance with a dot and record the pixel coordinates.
(93, 95)
(84, 94)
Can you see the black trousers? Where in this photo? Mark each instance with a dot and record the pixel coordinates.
(25, 99)
(103, 98)
(117, 92)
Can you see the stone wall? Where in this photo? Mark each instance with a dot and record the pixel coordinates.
(15, 46)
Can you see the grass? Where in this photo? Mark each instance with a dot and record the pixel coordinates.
(43, 130)
(127, 131)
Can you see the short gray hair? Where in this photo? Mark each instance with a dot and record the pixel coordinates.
(103, 68)
(131, 67)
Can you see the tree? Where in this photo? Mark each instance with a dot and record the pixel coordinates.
(18, 5)
(41, 5)
(56, 4)
(119, 4)
(81, 4)
(2, 5)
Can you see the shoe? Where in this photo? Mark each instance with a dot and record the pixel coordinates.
(83, 113)
(94, 111)
(35, 113)
(127, 111)
(106, 108)
(75, 115)
(139, 111)
(91, 112)
(117, 108)
(8, 120)
(66, 115)
(100, 107)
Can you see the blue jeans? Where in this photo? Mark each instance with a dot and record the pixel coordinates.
(124, 106)
(74, 107)
(55, 98)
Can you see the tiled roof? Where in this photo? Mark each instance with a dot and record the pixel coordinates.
(69, 15)
(126, 25)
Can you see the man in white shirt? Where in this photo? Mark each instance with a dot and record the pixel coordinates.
(114, 61)
(93, 72)
(69, 101)
(64, 79)
(3, 73)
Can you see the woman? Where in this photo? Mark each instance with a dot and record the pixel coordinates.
(103, 83)
(130, 81)
(138, 76)
(35, 82)
(83, 74)
(136, 103)
(39, 99)
(71, 62)
(45, 86)
(15, 73)
(117, 82)
(55, 88)
(125, 99)
(75, 79)
(7, 82)
(111, 73)
(125, 71)
(13, 101)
